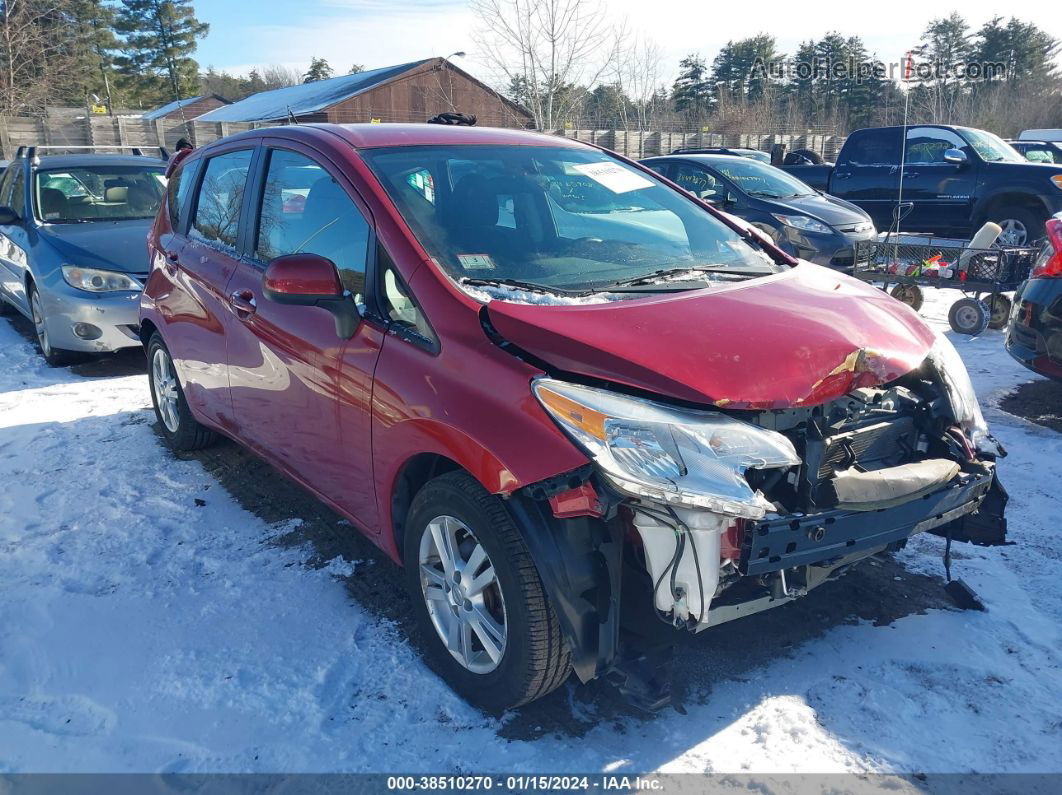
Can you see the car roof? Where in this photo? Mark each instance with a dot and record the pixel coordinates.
(707, 158)
(374, 136)
(79, 161)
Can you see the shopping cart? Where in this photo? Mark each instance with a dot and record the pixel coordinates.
(909, 262)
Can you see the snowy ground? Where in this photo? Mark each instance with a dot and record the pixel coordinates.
(150, 622)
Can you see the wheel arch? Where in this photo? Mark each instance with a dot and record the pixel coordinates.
(990, 204)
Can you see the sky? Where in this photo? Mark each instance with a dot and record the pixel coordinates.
(377, 33)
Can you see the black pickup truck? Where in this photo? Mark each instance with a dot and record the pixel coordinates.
(956, 178)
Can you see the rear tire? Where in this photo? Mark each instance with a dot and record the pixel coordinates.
(55, 357)
(909, 294)
(969, 316)
(183, 433)
(999, 307)
(531, 658)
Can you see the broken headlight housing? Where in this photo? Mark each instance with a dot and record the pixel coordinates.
(696, 459)
(945, 360)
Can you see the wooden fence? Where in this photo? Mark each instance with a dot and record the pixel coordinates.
(72, 128)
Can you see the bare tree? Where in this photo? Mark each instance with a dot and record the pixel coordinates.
(636, 70)
(545, 50)
(35, 52)
(278, 76)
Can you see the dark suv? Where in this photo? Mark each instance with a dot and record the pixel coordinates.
(584, 409)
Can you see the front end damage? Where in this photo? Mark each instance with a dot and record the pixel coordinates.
(628, 560)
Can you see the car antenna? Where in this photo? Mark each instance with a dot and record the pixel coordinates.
(291, 116)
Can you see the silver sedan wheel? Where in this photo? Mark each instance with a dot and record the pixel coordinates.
(38, 323)
(164, 383)
(1014, 233)
(462, 594)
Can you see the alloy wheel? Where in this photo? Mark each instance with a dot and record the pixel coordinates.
(164, 383)
(462, 594)
(1014, 233)
(39, 324)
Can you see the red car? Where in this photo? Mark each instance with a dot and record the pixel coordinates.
(582, 408)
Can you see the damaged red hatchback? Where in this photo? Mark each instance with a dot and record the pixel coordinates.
(583, 409)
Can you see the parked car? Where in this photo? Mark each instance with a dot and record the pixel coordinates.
(1034, 336)
(955, 178)
(539, 375)
(800, 220)
(72, 230)
(1040, 135)
(1039, 151)
(752, 154)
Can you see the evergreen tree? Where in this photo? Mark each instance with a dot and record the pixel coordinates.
(319, 70)
(742, 69)
(356, 69)
(159, 39)
(691, 92)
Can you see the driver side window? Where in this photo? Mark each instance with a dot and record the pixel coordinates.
(699, 182)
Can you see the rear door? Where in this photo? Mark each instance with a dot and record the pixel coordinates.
(14, 238)
(942, 193)
(200, 264)
(868, 173)
(291, 376)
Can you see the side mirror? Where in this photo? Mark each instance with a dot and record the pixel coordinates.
(8, 216)
(311, 280)
(956, 157)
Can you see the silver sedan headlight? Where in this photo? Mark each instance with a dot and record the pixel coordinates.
(691, 458)
(95, 280)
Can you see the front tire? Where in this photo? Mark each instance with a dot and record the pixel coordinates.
(183, 433)
(487, 624)
(55, 357)
(1021, 226)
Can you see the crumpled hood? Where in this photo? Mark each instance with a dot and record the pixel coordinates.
(111, 245)
(800, 338)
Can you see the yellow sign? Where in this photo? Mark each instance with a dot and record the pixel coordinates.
(99, 108)
(375, 121)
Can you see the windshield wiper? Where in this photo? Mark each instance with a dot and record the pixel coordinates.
(520, 285)
(648, 278)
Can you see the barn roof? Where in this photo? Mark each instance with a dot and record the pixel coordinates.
(307, 97)
(170, 107)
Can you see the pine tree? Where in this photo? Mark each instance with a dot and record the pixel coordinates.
(159, 41)
(319, 70)
(356, 69)
(691, 92)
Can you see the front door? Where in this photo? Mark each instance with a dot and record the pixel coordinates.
(14, 239)
(289, 371)
(942, 193)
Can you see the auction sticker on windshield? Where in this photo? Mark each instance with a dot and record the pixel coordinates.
(613, 176)
(476, 262)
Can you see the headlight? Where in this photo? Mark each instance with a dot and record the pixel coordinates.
(97, 281)
(964, 406)
(803, 223)
(692, 458)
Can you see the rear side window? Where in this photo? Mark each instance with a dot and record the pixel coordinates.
(305, 210)
(217, 214)
(874, 148)
(177, 194)
(18, 193)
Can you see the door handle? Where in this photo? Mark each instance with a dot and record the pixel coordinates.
(243, 303)
(841, 174)
(910, 175)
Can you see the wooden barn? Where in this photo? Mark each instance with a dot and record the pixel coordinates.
(186, 109)
(411, 92)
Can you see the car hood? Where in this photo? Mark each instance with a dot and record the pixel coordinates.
(111, 245)
(828, 209)
(798, 338)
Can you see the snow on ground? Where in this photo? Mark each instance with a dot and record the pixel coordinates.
(142, 631)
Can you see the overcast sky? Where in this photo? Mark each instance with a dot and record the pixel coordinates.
(378, 33)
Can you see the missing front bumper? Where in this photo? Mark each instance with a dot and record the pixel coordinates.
(782, 543)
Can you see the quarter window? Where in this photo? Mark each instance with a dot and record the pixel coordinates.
(304, 209)
(217, 214)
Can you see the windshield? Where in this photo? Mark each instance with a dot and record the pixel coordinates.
(989, 147)
(98, 193)
(760, 179)
(563, 218)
